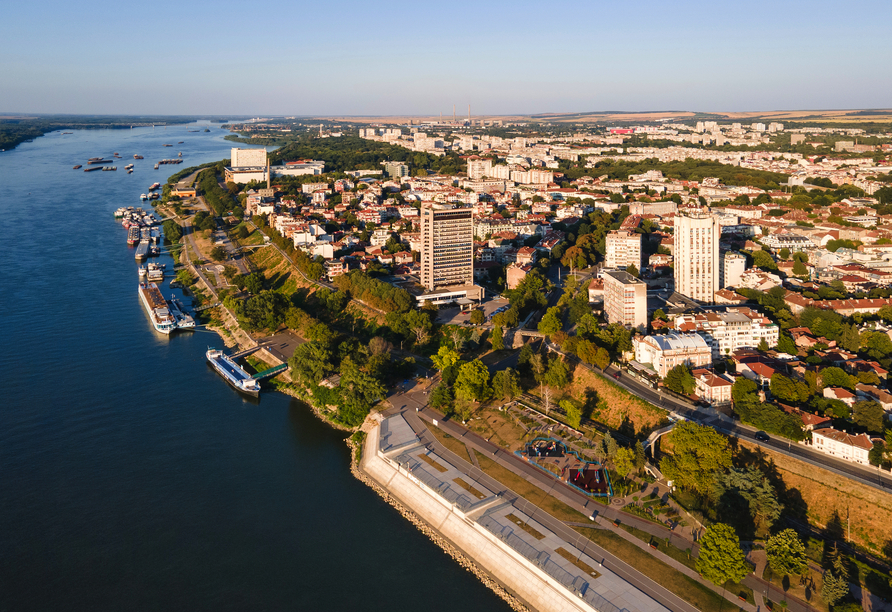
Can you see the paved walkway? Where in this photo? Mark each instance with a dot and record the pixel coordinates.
(563, 493)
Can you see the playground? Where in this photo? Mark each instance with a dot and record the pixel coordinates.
(554, 457)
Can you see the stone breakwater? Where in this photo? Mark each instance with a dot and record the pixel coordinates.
(461, 558)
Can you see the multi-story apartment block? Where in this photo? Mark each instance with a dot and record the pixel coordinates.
(447, 249)
(670, 350)
(697, 256)
(625, 299)
(733, 265)
(478, 168)
(395, 169)
(725, 332)
(623, 249)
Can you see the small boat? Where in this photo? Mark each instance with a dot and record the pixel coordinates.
(109, 168)
(138, 157)
(143, 196)
(168, 145)
(128, 166)
(180, 142)
(120, 212)
(155, 186)
(78, 167)
(93, 168)
(142, 272)
(184, 321)
(156, 166)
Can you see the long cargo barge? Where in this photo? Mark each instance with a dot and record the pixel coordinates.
(232, 373)
(133, 235)
(156, 307)
(142, 251)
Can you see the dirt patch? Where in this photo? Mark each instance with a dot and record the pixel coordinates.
(528, 528)
(432, 463)
(469, 488)
(826, 494)
(499, 428)
(585, 567)
(616, 406)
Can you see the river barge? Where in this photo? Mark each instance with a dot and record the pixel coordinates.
(232, 373)
(184, 320)
(132, 235)
(156, 308)
(142, 251)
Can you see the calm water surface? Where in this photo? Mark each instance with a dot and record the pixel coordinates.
(131, 476)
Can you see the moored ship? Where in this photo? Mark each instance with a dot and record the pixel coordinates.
(142, 251)
(157, 308)
(184, 321)
(132, 235)
(232, 373)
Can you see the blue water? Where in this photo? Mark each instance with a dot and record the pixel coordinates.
(131, 476)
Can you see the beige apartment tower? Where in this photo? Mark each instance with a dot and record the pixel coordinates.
(447, 246)
(697, 256)
(623, 249)
(625, 299)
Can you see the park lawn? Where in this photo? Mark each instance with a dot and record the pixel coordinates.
(525, 526)
(454, 444)
(667, 549)
(799, 591)
(617, 404)
(686, 588)
(825, 494)
(498, 427)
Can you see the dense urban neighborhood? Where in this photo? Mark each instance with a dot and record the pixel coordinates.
(687, 326)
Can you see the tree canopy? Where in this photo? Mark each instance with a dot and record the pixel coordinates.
(698, 453)
(721, 558)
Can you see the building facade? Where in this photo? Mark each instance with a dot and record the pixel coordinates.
(447, 246)
(697, 256)
(670, 350)
(733, 265)
(241, 158)
(623, 249)
(840, 444)
(625, 299)
(726, 332)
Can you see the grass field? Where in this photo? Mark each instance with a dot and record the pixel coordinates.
(688, 589)
(826, 494)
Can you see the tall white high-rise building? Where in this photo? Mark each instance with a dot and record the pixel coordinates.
(241, 158)
(623, 249)
(447, 246)
(697, 255)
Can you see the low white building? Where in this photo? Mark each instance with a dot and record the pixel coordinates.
(842, 445)
(670, 350)
(726, 332)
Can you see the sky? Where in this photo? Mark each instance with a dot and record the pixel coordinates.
(339, 57)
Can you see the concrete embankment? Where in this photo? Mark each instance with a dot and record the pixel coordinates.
(481, 531)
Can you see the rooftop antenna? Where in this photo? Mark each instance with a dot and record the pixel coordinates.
(453, 113)
(469, 114)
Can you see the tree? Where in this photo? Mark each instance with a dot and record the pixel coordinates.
(310, 362)
(573, 412)
(835, 588)
(836, 377)
(624, 461)
(698, 453)
(496, 339)
(505, 384)
(254, 282)
(420, 324)
(876, 453)
(785, 344)
(472, 381)
(551, 322)
(640, 456)
(747, 487)
(869, 414)
(680, 380)
(441, 397)
(218, 253)
(610, 446)
(477, 317)
(784, 253)
(799, 269)
(358, 391)
(445, 357)
(786, 554)
(721, 558)
(242, 232)
(851, 338)
(633, 270)
(763, 260)
(788, 390)
(602, 358)
(557, 375)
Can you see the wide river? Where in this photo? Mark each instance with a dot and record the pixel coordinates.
(131, 476)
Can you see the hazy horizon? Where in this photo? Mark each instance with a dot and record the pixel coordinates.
(350, 59)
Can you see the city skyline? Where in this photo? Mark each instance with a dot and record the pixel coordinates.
(416, 60)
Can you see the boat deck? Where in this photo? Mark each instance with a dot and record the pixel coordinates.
(234, 371)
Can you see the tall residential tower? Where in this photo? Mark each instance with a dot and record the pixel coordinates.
(447, 246)
(697, 255)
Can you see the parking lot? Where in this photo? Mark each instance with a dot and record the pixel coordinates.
(460, 315)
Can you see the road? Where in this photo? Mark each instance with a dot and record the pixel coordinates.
(707, 416)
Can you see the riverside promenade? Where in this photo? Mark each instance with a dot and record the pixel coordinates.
(539, 561)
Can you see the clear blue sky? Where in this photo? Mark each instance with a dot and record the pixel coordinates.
(386, 58)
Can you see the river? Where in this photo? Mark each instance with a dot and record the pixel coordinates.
(131, 476)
